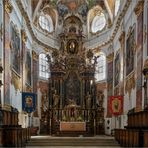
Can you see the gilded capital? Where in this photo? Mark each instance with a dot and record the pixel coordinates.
(34, 55)
(16, 81)
(28, 88)
(130, 83)
(122, 38)
(139, 7)
(8, 6)
(145, 64)
(110, 57)
(24, 36)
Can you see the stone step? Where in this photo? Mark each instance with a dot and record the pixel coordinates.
(73, 141)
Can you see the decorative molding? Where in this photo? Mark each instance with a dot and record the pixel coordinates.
(24, 36)
(28, 88)
(145, 64)
(122, 38)
(145, 33)
(130, 83)
(35, 55)
(129, 31)
(8, 6)
(110, 57)
(139, 7)
(15, 80)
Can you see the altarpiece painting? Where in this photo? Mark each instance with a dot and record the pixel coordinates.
(130, 47)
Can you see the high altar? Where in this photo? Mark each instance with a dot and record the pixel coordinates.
(72, 98)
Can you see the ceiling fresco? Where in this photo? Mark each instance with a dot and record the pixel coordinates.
(85, 10)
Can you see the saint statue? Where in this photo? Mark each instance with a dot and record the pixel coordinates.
(88, 101)
(55, 99)
(100, 98)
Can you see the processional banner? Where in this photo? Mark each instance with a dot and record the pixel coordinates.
(116, 105)
(28, 102)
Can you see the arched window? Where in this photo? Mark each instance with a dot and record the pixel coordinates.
(98, 23)
(46, 23)
(117, 5)
(43, 66)
(100, 72)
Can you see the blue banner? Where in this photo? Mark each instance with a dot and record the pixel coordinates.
(28, 102)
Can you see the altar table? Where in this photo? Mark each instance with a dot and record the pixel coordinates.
(72, 126)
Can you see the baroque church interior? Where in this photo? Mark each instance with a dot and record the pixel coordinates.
(75, 69)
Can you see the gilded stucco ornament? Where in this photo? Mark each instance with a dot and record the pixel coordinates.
(130, 83)
(15, 80)
(122, 38)
(28, 88)
(110, 57)
(8, 6)
(35, 55)
(139, 7)
(145, 68)
(24, 36)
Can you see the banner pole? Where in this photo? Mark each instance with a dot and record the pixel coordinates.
(29, 115)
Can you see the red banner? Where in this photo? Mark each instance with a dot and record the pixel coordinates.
(116, 105)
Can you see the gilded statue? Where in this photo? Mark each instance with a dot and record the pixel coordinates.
(100, 98)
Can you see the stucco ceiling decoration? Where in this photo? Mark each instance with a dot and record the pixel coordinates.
(65, 7)
(111, 4)
(80, 7)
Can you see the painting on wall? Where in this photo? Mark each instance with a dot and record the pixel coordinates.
(117, 70)
(130, 47)
(28, 68)
(15, 49)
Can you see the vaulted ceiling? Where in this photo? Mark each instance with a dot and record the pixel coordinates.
(84, 10)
